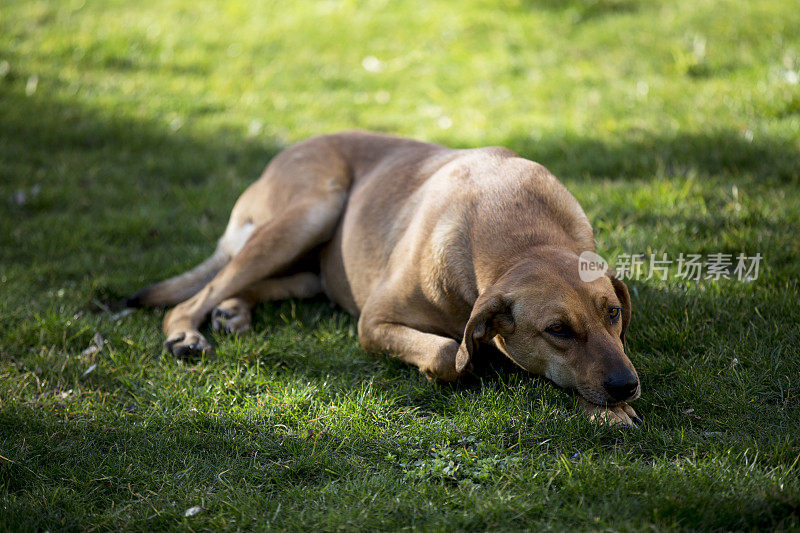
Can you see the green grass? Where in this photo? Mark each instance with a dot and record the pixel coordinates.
(127, 131)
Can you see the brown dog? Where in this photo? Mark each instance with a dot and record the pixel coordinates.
(435, 250)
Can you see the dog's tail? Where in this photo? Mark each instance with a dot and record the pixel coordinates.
(179, 288)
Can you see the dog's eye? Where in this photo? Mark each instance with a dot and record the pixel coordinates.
(560, 330)
(614, 313)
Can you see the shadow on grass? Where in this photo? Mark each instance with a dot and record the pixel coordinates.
(130, 184)
(132, 454)
(725, 153)
(37, 131)
(86, 157)
(585, 10)
(150, 469)
(34, 130)
(697, 349)
(89, 193)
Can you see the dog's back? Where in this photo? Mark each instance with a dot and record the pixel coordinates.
(441, 209)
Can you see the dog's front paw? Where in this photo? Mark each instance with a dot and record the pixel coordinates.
(622, 414)
(187, 344)
(441, 376)
(231, 316)
(442, 367)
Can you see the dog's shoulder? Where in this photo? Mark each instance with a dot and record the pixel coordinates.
(509, 194)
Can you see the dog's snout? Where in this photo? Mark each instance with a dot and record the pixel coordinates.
(621, 387)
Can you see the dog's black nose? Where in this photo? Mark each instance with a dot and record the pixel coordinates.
(622, 387)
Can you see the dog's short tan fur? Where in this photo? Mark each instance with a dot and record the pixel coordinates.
(435, 250)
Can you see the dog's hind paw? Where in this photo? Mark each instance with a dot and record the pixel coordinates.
(187, 345)
(231, 316)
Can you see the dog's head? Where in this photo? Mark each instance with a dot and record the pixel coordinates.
(550, 322)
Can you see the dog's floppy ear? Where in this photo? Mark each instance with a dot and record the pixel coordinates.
(625, 301)
(491, 315)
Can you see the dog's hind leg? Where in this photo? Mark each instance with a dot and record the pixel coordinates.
(273, 247)
(179, 288)
(182, 287)
(233, 315)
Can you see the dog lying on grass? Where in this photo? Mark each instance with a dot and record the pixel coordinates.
(434, 250)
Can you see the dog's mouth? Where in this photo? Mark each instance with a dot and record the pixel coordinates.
(592, 394)
(598, 396)
(566, 378)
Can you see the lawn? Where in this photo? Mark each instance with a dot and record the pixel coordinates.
(129, 128)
